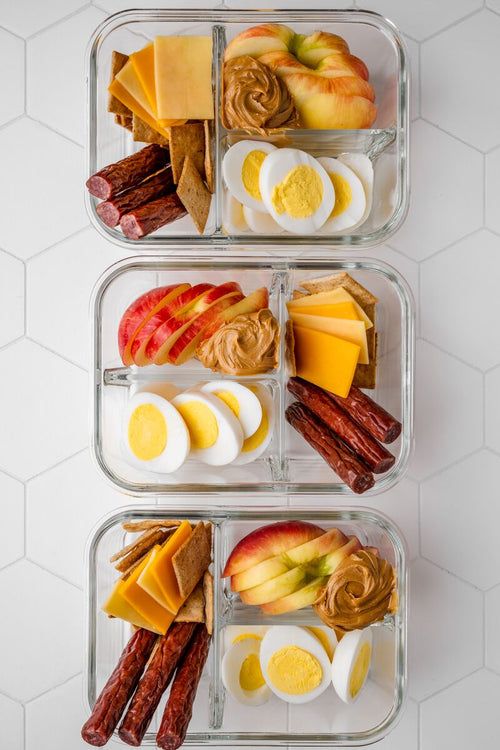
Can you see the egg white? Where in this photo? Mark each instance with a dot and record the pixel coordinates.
(233, 221)
(250, 408)
(232, 661)
(267, 406)
(274, 170)
(362, 166)
(229, 440)
(281, 636)
(344, 662)
(261, 223)
(355, 210)
(232, 166)
(235, 633)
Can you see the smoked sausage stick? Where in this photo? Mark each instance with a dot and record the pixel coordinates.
(370, 415)
(117, 691)
(128, 172)
(151, 216)
(111, 211)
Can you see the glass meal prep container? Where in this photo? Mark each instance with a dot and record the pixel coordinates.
(288, 463)
(217, 719)
(372, 38)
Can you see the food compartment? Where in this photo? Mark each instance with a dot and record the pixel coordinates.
(282, 458)
(375, 150)
(219, 718)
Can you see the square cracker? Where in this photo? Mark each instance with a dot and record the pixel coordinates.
(194, 194)
(193, 609)
(208, 592)
(142, 132)
(187, 140)
(192, 559)
(118, 60)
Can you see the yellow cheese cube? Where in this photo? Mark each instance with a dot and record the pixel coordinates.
(350, 330)
(158, 578)
(325, 360)
(160, 617)
(330, 298)
(183, 76)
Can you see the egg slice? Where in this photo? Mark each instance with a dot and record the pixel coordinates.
(241, 168)
(255, 445)
(362, 166)
(351, 664)
(237, 633)
(243, 402)
(326, 637)
(154, 434)
(350, 199)
(233, 220)
(294, 663)
(242, 674)
(215, 433)
(296, 190)
(261, 223)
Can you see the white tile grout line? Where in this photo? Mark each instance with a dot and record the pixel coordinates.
(57, 354)
(49, 690)
(60, 21)
(452, 25)
(464, 677)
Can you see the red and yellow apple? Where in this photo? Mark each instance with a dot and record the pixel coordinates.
(302, 597)
(255, 301)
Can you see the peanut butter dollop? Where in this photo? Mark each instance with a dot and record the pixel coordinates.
(361, 591)
(254, 98)
(247, 345)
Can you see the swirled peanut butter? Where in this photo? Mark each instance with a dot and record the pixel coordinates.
(254, 98)
(247, 345)
(361, 591)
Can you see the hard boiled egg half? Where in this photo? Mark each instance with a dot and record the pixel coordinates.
(294, 663)
(351, 664)
(215, 432)
(241, 671)
(257, 443)
(350, 198)
(241, 168)
(296, 190)
(362, 166)
(154, 435)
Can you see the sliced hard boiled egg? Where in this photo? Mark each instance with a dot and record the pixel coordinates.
(215, 433)
(362, 166)
(296, 190)
(154, 435)
(241, 168)
(161, 388)
(255, 445)
(243, 402)
(294, 663)
(350, 199)
(261, 223)
(237, 633)
(242, 674)
(326, 636)
(233, 221)
(351, 663)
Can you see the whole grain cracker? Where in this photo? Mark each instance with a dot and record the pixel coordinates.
(208, 592)
(193, 609)
(118, 60)
(209, 159)
(187, 140)
(191, 560)
(164, 523)
(142, 132)
(194, 194)
(141, 547)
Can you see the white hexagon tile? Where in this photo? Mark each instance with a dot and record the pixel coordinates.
(449, 251)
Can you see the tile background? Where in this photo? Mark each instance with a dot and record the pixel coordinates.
(449, 249)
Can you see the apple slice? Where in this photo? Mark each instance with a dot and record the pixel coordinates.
(269, 541)
(139, 312)
(185, 346)
(160, 343)
(256, 301)
(299, 599)
(276, 588)
(275, 566)
(329, 563)
(181, 304)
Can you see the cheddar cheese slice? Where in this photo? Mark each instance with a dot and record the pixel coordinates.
(130, 81)
(332, 297)
(183, 77)
(143, 63)
(350, 330)
(325, 360)
(143, 603)
(124, 96)
(346, 310)
(158, 578)
(117, 606)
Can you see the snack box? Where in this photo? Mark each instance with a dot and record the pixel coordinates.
(288, 463)
(370, 37)
(218, 720)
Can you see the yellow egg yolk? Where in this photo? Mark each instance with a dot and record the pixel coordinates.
(251, 674)
(201, 423)
(360, 670)
(230, 400)
(250, 173)
(253, 442)
(323, 639)
(299, 194)
(294, 671)
(246, 636)
(147, 432)
(343, 194)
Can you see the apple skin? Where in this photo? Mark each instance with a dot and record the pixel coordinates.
(276, 588)
(330, 562)
(139, 312)
(269, 541)
(259, 39)
(257, 300)
(276, 566)
(302, 597)
(162, 340)
(180, 304)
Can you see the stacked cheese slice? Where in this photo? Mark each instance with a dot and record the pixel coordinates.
(329, 338)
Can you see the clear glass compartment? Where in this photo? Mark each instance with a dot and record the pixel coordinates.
(288, 464)
(370, 37)
(217, 719)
